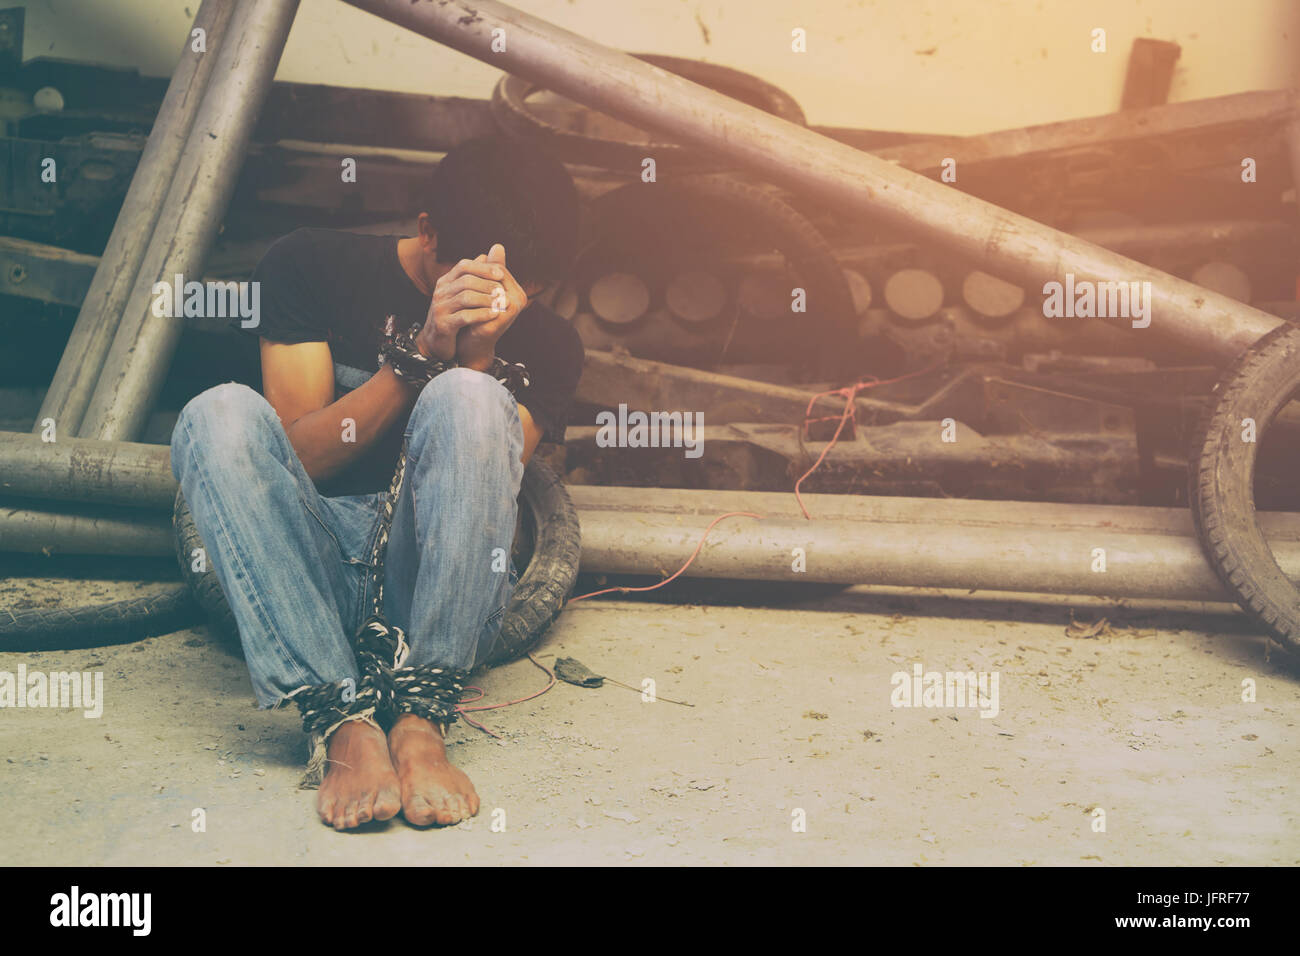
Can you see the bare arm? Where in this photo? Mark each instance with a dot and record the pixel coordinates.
(298, 381)
(532, 433)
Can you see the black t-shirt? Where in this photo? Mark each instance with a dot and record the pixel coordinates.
(323, 285)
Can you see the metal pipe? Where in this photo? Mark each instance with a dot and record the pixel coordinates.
(119, 531)
(1205, 236)
(610, 377)
(1200, 237)
(912, 542)
(143, 347)
(86, 470)
(101, 308)
(1008, 245)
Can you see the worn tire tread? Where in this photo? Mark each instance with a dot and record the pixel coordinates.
(1221, 488)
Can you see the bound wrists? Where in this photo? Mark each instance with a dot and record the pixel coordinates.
(406, 359)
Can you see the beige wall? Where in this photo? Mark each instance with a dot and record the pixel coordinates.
(995, 63)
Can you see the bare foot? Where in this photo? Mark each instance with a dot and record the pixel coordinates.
(359, 784)
(433, 791)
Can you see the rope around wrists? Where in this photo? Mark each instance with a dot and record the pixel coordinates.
(403, 356)
(513, 375)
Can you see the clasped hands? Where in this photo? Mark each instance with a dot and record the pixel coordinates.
(474, 302)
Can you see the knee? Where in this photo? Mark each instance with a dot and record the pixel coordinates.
(225, 420)
(464, 402)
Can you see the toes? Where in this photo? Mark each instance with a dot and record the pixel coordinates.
(348, 819)
(473, 804)
(447, 811)
(451, 811)
(444, 805)
(325, 808)
(419, 811)
(388, 804)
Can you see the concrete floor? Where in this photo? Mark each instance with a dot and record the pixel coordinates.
(792, 712)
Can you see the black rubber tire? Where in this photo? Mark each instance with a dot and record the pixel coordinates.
(552, 547)
(760, 213)
(118, 622)
(510, 110)
(551, 522)
(1222, 488)
(203, 585)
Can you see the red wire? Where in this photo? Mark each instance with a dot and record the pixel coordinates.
(849, 392)
(849, 409)
(464, 711)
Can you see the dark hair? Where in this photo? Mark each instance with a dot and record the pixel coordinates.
(489, 190)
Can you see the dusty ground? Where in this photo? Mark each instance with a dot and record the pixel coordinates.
(792, 711)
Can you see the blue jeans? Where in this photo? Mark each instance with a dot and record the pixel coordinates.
(294, 564)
